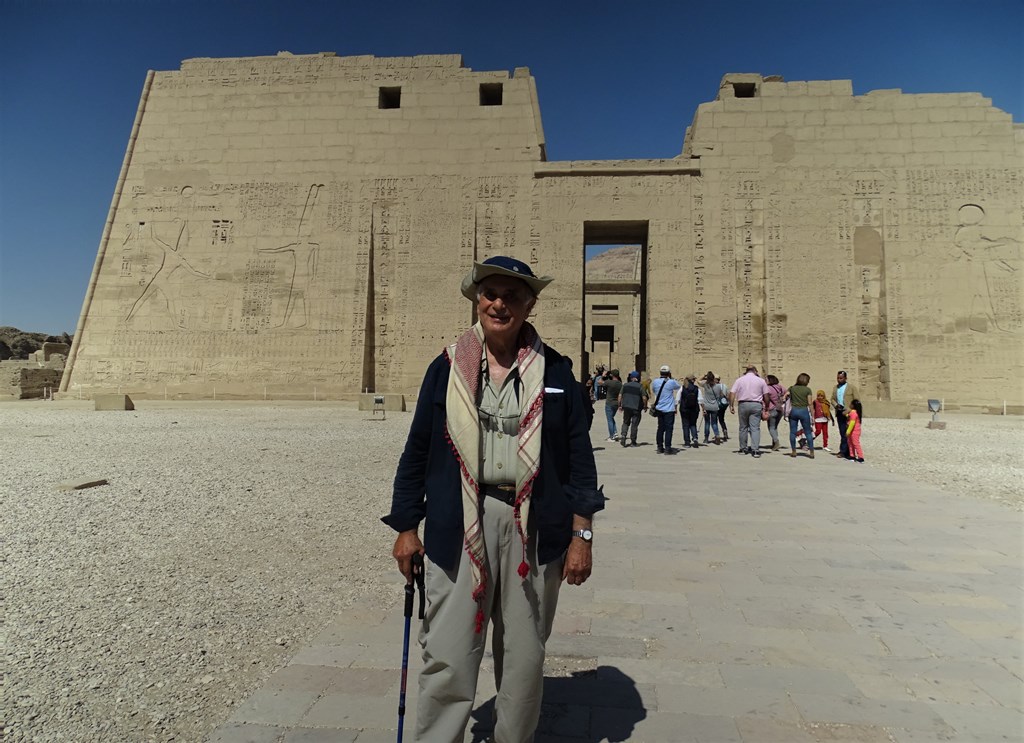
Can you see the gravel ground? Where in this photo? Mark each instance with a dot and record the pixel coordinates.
(977, 456)
(145, 609)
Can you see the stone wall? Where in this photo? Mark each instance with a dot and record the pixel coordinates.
(21, 380)
(300, 222)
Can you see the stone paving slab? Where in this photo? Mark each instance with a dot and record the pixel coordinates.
(733, 599)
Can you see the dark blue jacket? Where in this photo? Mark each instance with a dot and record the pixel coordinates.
(427, 483)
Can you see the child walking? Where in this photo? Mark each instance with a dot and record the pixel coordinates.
(853, 432)
(822, 416)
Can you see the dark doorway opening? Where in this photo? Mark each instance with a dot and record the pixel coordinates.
(614, 326)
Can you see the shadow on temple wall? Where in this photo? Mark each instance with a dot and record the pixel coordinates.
(593, 706)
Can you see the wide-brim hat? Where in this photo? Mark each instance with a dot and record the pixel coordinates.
(502, 265)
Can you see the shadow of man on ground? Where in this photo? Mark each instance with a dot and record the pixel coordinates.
(592, 706)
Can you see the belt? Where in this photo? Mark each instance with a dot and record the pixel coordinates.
(506, 492)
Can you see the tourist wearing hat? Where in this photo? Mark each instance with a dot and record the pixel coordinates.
(663, 393)
(499, 467)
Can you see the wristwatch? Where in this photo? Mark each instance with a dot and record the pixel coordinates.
(585, 534)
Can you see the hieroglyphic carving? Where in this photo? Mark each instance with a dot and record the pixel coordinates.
(256, 295)
(701, 342)
(748, 239)
(491, 227)
(390, 256)
(776, 304)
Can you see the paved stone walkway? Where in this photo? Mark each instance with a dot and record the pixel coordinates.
(733, 600)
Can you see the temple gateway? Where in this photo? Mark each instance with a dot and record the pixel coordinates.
(299, 225)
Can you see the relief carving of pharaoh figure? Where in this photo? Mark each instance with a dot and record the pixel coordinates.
(993, 271)
(304, 254)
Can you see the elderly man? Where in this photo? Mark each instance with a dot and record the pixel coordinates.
(750, 393)
(499, 464)
(843, 395)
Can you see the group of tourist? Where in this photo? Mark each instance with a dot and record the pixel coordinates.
(752, 398)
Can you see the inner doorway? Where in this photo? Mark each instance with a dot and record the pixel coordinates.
(614, 328)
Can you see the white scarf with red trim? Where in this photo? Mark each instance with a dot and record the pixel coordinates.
(467, 358)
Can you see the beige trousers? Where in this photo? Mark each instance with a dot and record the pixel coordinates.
(521, 613)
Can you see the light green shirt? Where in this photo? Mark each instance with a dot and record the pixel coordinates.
(499, 411)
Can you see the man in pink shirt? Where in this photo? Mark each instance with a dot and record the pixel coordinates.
(750, 393)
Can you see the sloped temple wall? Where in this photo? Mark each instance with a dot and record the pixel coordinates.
(299, 225)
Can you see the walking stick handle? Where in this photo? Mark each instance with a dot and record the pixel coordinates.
(409, 592)
(417, 574)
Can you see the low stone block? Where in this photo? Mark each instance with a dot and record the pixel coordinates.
(392, 402)
(113, 402)
(937, 425)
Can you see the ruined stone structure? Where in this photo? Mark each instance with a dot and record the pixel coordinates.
(297, 222)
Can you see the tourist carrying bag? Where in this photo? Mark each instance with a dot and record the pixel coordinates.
(654, 408)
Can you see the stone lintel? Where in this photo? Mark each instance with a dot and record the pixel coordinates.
(680, 166)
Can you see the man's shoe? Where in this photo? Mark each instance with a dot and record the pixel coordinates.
(810, 453)
(633, 442)
(717, 441)
(611, 438)
(706, 441)
(756, 454)
(623, 441)
(775, 446)
(661, 451)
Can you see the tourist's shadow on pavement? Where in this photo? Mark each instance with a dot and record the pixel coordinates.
(592, 706)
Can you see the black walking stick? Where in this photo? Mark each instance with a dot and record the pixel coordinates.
(417, 574)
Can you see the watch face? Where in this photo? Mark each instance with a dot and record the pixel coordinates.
(588, 535)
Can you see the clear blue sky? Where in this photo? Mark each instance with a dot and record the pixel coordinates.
(616, 80)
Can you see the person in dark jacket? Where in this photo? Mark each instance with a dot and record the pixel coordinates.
(689, 410)
(632, 402)
(500, 466)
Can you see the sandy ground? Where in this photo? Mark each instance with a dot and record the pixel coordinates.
(229, 533)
